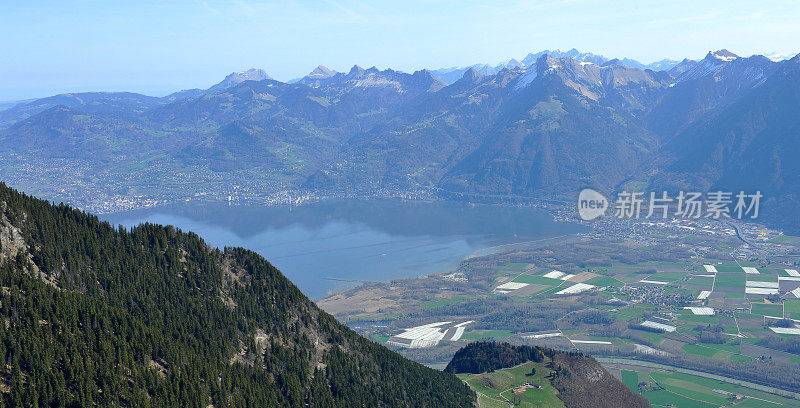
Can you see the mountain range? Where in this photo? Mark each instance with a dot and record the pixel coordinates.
(451, 75)
(542, 127)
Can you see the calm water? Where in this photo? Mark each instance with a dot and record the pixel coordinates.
(357, 240)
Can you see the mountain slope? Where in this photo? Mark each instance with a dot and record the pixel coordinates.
(575, 124)
(706, 85)
(153, 317)
(750, 144)
(120, 103)
(236, 78)
(531, 131)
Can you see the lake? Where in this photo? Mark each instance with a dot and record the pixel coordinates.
(331, 245)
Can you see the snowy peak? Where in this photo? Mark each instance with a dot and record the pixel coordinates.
(236, 78)
(722, 55)
(375, 79)
(252, 74)
(321, 72)
(453, 74)
(726, 72)
(625, 85)
(573, 54)
(779, 56)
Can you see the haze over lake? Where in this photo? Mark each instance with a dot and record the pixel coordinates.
(331, 245)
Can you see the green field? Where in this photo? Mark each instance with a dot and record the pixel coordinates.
(513, 267)
(667, 276)
(488, 402)
(730, 281)
(763, 277)
(663, 398)
(734, 294)
(689, 391)
(486, 334)
(498, 385)
(654, 337)
(764, 309)
(792, 308)
(631, 379)
(700, 281)
(699, 350)
(739, 358)
(602, 281)
(783, 238)
(699, 319)
(729, 268)
(726, 351)
(728, 347)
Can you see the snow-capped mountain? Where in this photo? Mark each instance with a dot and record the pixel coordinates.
(321, 72)
(779, 56)
(452, 74)
(236, 78)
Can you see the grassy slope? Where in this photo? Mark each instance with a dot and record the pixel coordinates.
(498, 385)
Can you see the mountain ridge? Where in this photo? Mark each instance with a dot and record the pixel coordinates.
(543, 130)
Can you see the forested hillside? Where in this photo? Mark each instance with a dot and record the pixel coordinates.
(153, 317)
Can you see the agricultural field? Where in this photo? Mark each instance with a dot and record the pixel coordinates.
(720, 310)
(766, 309)
(486, 334)
(726, 281)
(694, 300)
(791, 309)
(672, 389)
(786, 240)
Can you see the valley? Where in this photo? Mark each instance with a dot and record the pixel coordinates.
(702, 300)
(196, 212)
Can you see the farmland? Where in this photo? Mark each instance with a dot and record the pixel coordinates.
(707, 303)
(668, 388)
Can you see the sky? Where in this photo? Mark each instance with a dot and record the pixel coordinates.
(157, 47)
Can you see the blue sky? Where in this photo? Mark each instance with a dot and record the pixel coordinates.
(156, 47)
